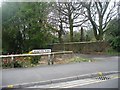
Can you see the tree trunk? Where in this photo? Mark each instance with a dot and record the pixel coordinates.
(60, 32)
(82, 35)
(100, 37)
(100, 30)
(71, 29)
(60, 36)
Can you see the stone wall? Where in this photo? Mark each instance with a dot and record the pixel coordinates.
(81, 47)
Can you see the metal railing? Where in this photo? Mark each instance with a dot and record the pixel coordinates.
(50, 56)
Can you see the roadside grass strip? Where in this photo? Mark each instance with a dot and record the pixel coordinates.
(80, 59)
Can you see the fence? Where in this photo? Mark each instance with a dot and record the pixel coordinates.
(50, 56)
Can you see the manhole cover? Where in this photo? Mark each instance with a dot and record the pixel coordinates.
(102, 78)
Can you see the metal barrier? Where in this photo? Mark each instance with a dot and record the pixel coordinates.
(50, 55)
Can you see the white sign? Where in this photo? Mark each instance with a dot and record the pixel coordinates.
(41, 51)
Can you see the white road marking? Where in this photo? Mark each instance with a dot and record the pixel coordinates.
(70, 84)
(81, 84)
(77, 83)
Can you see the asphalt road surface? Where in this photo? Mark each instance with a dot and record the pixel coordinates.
(111, 81)
(106, 84)
(35, 74)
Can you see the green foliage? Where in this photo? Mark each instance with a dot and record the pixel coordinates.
(111, 51)
(20, 62)
(35, 59)
(115, 43)
(113, 34)
(90, 35)
(6, 63)
(76, 36)
(25, 26)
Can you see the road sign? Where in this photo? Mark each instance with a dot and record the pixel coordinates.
(41, 51)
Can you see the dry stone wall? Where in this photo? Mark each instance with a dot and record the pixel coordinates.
(81, 47)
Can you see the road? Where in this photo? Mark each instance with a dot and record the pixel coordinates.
(111, 81)
(106, 84)
(35, 74)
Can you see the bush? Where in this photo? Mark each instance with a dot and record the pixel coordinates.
(35, 59)
(17, 63)
(113, 34)
(115, 43)
(7, 63)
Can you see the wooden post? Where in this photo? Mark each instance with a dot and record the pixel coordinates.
(52, 60)
(49, 57)
(12, 58)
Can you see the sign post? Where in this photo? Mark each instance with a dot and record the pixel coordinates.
(40, 51)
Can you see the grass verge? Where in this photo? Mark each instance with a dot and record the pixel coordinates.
(79, 59)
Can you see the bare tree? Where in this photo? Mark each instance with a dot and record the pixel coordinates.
(55, 19)
(73, 15)
(68, 15)
(100, 14)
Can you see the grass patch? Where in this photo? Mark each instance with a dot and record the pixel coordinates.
(80, 59)
(112, 52)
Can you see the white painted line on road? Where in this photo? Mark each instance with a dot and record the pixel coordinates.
(75, 83)
(72, 82)
(78, 83)
(68, 84)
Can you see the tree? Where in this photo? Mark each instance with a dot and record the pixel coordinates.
(104, 12)
(69, 13)
(25, 26)
(0, 31)
(8, 26)
(55, 19)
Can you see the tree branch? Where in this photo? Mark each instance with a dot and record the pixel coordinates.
(106, 6)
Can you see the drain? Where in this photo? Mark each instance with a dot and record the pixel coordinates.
(102, 78)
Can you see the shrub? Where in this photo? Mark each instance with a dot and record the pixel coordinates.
(17, 63)
(6, 63)
(113, 34)
(35, 59)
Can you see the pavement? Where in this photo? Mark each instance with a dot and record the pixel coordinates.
(36, 74)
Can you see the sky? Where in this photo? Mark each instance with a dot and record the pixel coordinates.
(0, 2)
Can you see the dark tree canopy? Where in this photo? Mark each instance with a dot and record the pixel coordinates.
(25, 26)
